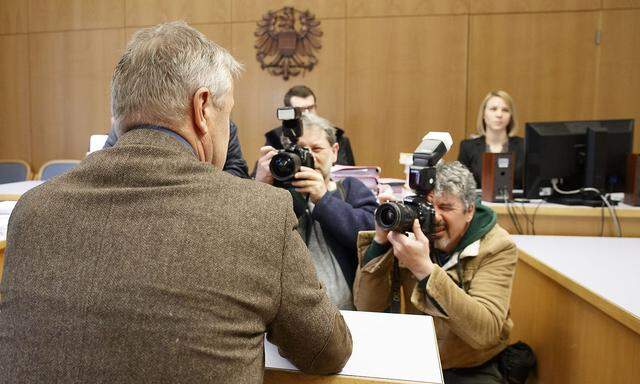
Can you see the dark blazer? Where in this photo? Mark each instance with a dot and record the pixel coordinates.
(471, 151)
(144, 264)
(235, 163)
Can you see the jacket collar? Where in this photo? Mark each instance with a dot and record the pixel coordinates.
(472, 250)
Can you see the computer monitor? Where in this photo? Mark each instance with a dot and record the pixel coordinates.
(578, 154)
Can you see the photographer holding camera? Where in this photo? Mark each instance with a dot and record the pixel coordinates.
(330, 213)
(460, 271)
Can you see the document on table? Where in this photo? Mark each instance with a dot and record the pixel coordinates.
(385, 346)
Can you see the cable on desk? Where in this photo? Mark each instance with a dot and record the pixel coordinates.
(614, 217)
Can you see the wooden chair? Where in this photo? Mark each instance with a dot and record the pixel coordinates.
(12, 171)
(54, 168)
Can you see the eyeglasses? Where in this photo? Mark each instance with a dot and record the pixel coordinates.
(308, 108)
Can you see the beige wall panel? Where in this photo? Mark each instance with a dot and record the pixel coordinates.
(218, 33)
(369, 8)
(59, 15)
(14, 98)
(151, 12)
(607, 4)
(70, 75)
(510, 6)
(405, 77)
(251, 10)
(258, 93)
(618, 93)
(13, 16)
(545, 61)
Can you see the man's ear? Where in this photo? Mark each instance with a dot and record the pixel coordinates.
(468, 215)
(202, 100)
(335, 148)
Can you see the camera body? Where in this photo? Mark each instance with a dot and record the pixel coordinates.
(399, 216)
(287, 162)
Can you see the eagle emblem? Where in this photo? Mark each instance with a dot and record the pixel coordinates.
(286, 41)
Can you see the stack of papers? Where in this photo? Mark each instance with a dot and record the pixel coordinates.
(368, 175)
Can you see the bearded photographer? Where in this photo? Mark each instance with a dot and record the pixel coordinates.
(330, 213)
(461, 274)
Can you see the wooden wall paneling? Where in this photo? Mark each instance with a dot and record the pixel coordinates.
(150, 12)
(61, 15)
(574, 341)
(618, 93)
(523, 6)
(258, 93)
(13, 16)
(608, 4)
(70, 79)
(547, 62)
(381, 8)
(251, 10)
(218, 33)
(14, 98)
(406, 76)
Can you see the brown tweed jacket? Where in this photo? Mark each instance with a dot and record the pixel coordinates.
(145, 265)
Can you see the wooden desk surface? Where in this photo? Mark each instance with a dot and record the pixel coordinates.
(602, 271)
(575, 302)
(541, 218)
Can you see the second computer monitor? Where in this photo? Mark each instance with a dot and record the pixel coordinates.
(577, 154)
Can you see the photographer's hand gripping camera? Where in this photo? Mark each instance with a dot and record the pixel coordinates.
(287, 162)
(399, 216)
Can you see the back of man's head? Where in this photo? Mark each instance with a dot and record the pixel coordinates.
(159, 72)
(301, 91)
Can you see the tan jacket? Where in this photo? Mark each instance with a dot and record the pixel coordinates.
(475, 326)
(145, 265)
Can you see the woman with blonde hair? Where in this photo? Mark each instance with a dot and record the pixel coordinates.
(496, 125)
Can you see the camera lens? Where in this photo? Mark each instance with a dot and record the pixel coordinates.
(387, 215)
(395, 216)
(284, 165)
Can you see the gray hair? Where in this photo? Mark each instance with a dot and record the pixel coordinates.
(311, 119)
(160, 71)
(455, 179)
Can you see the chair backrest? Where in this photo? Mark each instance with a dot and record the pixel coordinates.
(54, 168)
(12, 171)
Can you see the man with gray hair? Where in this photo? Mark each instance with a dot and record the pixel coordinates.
(461, 275)
(148, 263)
(330, 213)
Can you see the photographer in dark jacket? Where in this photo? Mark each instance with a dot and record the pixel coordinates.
(334, 213)
(303, 97)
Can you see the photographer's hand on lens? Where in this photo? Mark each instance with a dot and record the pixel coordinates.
(412, 253)
(381, 235)
(263, 173)
(309, 181)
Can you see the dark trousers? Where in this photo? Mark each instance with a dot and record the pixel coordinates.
(486, 373)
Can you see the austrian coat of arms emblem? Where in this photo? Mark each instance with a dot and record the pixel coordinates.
(286, 42)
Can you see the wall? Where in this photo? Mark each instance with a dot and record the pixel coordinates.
(389, 70)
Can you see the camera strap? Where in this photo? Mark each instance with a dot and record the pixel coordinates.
(395, 287)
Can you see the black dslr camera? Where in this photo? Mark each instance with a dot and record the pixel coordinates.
(399, 216)
(287, 162)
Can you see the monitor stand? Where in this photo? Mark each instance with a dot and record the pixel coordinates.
(585, 198)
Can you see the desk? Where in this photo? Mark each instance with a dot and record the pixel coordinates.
(387, 348)
(575, 301)
(563, 220)
(13, 191)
